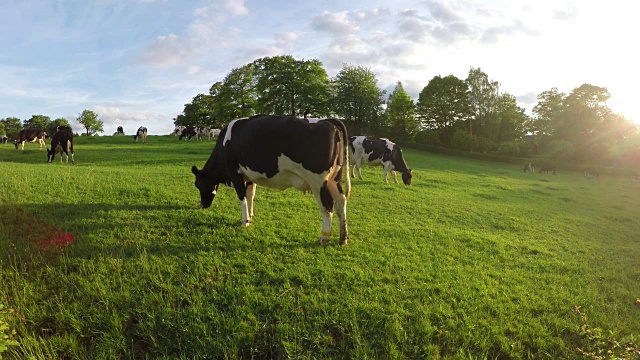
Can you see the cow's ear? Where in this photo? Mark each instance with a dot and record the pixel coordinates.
(194, 170)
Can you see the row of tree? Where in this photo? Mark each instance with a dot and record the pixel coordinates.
(468, 114)
(11, 126)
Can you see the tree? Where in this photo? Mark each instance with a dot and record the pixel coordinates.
(38, 122)
(357, 99)
(290, 87)
(12, 126)
(89, 120)
(55, 123)
(234, 97)
(483, 96)
(547, 112)
(401, 113)
(198, 112)
(443, 104)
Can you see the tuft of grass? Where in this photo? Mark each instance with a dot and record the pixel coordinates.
(474, 260)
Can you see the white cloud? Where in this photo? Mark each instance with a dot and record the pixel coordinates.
(337, 24)
(166, 50)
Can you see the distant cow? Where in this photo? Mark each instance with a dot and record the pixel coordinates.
(119, 131)
(201, 132)
(592, 173)
(188, 132)
(281, 152)
(62, 142)
(548, 168)
(213, 133)
(31, 135)
(4, 139)
(528, 167)
(178, 130)
(372, 151)
(142, 132)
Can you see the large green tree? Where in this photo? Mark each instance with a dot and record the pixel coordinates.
(291, 87)
(234, 97)
(90, 122)
(401, 114)
(12, 126)
(358, 99)
(38, 122)
(443, 104)
(55, 123)
(483, 96)
(198, 112)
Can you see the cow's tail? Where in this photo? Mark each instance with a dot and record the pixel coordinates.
(344, 141)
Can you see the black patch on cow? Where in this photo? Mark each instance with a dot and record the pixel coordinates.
(188, 132)
(326, 198)
(260, 140)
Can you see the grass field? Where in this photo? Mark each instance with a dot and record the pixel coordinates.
(474, 260)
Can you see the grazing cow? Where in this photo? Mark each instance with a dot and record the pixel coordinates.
(4, 139)
(528, 167)
(548, 168)
(178, 130)
(371, 151)
(281, 152)
(31, 135)
(213, 133)
(200, 132)
(142, 132)
(119, 131)
(188, 132)
(592, 173)
(62, 142)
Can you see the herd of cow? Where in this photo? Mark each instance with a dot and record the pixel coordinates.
(278, 152)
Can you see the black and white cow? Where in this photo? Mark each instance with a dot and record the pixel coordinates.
(119, 131)
(372, 151)
(62, 142)
(548, 168)
(4, 139)
(31, 135)
(142, 132)
(178, 130)
(213, 133)
(528, 167)
(188, 132)
(281, 152)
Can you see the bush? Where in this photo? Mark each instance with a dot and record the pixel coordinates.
(560, 150)
(429, 137)
(509, 149)
(462, 140)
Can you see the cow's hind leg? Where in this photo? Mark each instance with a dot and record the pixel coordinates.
(325, 202)
(251, 193)
(332, 197)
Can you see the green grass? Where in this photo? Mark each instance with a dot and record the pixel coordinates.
(474, 260)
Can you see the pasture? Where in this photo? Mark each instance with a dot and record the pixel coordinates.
(474, 260)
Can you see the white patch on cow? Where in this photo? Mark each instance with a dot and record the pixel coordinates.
(389, 144)
(314, 120)
(227, 135)
(290, 175)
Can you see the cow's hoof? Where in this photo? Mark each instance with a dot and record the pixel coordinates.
(323, 240)
(343, 242)
(247, 224)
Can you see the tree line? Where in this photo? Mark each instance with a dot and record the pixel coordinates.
(469, 114)
(11, 126)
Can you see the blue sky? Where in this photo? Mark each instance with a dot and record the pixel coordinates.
(137, 62)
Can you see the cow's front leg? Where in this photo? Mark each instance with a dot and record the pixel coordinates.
(358, 170)
(395, 178)
(241, 191)
(251, 193)
(323, 197)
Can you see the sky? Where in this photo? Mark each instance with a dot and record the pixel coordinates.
(137, 62)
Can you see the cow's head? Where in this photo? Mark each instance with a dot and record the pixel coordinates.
(51, 154)
(206, 185)
(406, 177)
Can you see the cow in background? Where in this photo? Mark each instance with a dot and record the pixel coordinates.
(31, 135)
(142, 132)
(62, 142)
(4, 139)
(178, 130)
(372, 151)
(188, 132)
(547, 168)
(213, 133)
(281, 152)
(119, 131)
(528, 167)
(592, 173)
